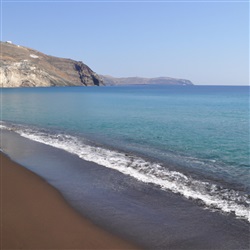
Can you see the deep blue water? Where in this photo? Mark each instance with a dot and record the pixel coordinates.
(191, 140)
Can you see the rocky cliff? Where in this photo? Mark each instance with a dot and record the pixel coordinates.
(109, 80)
(24, 67)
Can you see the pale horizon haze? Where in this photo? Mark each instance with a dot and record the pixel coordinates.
(206, 42)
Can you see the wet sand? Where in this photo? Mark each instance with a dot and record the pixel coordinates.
(34, 215)
(136, 211)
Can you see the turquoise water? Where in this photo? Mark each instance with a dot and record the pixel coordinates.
(192, 140)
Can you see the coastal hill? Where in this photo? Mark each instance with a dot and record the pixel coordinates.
(25, 67)
(109, 80)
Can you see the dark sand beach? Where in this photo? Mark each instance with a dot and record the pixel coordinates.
(35, 216)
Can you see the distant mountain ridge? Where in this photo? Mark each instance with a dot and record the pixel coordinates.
(25, 67)
(110, 80)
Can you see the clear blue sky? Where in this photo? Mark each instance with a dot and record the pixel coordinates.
(206, 42)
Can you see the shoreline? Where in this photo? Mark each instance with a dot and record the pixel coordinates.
(36, 216)
(123, 206)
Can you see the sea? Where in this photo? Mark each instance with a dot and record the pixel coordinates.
(164, 166)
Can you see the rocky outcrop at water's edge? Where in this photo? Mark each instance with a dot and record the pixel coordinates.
(24, 67)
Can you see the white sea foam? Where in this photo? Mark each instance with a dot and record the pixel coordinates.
(211, 195)
(3, 127)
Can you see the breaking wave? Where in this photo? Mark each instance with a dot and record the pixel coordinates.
(206, 193)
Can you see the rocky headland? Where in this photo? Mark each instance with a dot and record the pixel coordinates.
(25, 67)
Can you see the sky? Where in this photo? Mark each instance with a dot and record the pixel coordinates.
(205, 41)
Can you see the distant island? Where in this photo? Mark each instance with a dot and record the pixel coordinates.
(110, 80)
(25, 67)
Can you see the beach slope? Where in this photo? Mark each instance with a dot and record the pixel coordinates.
(35, 216)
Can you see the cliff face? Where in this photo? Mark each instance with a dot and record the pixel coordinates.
(109, 80)
(24, 67)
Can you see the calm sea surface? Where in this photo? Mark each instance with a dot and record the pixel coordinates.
(190, 140)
